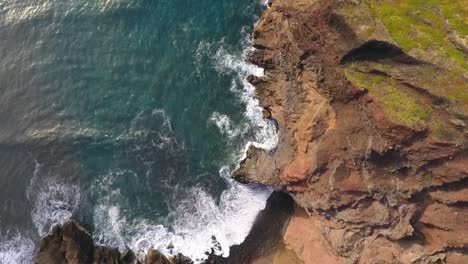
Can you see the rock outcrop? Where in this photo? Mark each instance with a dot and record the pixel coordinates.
(371, 101)
(71, 243)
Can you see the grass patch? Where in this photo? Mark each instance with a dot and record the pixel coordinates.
(400, 106)
(421, 24)
(440, 132)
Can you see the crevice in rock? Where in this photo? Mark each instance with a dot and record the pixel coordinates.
(440, 161)
(394, 158)
(380, 73)
(457, 185)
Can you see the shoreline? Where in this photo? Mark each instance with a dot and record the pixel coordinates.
(73, 243)
(371, 150)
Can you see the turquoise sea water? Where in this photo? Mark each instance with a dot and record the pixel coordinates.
(128, 115)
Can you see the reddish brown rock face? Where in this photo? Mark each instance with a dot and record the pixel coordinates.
(298, 169)
(376, 156)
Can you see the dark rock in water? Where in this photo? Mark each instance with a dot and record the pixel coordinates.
(103, 254)
(254, 80)
(128, 257)
(181, 259)
(266, 113)
(266, 233)
(154, 257)
(70, 243)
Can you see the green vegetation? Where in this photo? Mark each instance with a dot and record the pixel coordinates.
(400, 106)
(449, 84)
(424, 179)
(440, 82)
(440, 131)
(421, 24)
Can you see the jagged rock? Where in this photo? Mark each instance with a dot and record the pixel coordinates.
(103, 254)
(154, 257)
(444, 226)
(456, 258)
(181, 259)
(366, 214)
(71, 243)
(371, 126)
(450, 196)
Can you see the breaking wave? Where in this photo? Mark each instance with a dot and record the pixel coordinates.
(200, 224)
(18, 250)
(264, 130)
(226, 126)
(54, 202)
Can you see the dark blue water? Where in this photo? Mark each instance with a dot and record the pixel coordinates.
(128, 115)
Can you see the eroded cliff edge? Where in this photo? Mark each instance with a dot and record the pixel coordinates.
(371, 101)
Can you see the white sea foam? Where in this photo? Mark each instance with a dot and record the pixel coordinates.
(54, 202)
(226, 126)
(53, 205)
(266, 136)
(18, 250)
(198, 218)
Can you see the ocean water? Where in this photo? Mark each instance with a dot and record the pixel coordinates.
(128, 115)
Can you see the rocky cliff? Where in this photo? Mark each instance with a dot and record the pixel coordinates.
(371, 102)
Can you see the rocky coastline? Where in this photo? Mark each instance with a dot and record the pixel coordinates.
(73, 243)
(371, 102)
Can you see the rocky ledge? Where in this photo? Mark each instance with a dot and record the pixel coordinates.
(371, 102)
